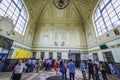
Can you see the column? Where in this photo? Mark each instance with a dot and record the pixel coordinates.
(54, 55)
(64, 55)
(37, 55)
(78, 38)
(68, 38)
(46, 56)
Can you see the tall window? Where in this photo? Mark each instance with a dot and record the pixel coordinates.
(15, 10)
(106, 16)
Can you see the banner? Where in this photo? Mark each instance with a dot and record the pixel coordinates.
(22, 54)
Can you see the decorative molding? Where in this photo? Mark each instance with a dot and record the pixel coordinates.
(109, 47)
(10, 32)
(61, 4)
(55, 43)
(108, 35)
(116, 31)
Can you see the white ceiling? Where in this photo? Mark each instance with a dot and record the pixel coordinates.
(45, 11)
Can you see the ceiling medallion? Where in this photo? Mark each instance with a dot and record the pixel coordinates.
(61, 4)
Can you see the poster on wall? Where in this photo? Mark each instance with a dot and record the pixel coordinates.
(85, 56)
(22, 54)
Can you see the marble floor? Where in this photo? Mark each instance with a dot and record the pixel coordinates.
(43, 75)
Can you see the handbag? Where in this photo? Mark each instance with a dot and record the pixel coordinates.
(62, 69)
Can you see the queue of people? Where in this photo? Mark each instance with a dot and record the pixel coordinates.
(93, 68)
(61, 67)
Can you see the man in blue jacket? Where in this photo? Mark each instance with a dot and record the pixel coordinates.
(71, 67)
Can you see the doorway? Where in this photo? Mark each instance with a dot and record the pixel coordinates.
(108, 57)
(75, 57)
(95, 56)
(34, 55)
(77, 61)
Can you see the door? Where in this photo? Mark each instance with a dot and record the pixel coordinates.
(77, 59)
(109, 57)
(95, 56)
(34, 55)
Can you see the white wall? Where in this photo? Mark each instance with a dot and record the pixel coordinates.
(64, 55)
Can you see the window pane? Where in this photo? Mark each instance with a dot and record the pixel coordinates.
(16, 1)
(108, 23)
(114, 19)
(101, 4)
(109, 15)
(6, 3)
(2, 12)
(19, 4)
(118, 9)
(112, 14)
(106, 19)
(110, 27)
(3, 7)
(110, 10)
(105, 15)
(9, 13)
(106, 1)
(13, 5)
(13, 9)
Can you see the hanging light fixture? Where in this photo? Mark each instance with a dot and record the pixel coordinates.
(61, 4)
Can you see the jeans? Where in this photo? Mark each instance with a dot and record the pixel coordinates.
(91, 73)
(84, 73)
(72, 76)
(96, 74)
(64, 76)
(104, 75)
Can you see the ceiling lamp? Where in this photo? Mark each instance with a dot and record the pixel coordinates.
(61, 4)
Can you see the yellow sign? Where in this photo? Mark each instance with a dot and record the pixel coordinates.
(21, 54)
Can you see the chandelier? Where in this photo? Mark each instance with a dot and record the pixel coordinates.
(61, 4)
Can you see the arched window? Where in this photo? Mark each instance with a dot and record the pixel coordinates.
(15, 10)
(106, 16)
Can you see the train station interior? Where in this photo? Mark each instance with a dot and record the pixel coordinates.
(59, 30)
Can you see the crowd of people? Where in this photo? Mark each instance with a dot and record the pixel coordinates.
(61, 67)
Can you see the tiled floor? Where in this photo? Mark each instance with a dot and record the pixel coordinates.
(43, 75)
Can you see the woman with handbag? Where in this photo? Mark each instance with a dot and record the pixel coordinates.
(63, 70)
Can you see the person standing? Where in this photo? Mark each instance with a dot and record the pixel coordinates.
(112, 70)
(71, 67)
(19, 69)
(82, 68)
(63, 70)
(90, 68)
(102, 69)
(56, 66)
(96, 64)
(38, 65)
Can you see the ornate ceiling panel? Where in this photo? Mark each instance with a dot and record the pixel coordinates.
(44, 10)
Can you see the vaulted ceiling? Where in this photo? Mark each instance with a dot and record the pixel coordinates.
(45, 11)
